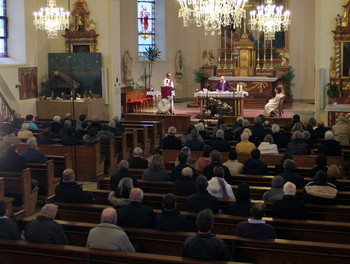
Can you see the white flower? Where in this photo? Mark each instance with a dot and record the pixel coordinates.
(207, 112)
(225, 105)
(217, 115)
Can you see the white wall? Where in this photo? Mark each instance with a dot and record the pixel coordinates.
(302, 46)
(326, 12)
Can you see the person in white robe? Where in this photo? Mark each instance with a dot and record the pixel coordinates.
(168, 82)
(274, 102)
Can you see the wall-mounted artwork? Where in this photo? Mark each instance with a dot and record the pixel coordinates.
(28, 77)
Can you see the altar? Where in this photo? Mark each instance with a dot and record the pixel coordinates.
(335, 110)
(235, 100)
(47, 109)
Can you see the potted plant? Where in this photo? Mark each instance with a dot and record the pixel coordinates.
(152, 54)
(198, 76)
(332, 91)
(287, 80)
(42, 94)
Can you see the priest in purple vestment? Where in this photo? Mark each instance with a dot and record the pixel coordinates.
(223, 85)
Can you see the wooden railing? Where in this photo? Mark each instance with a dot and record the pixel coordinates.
(6, 110)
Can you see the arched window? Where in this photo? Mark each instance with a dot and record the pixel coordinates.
(3, 29)
(145, 25)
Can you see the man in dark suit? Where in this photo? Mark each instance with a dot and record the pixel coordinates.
(185, 185)
(195, 144)
(330, 147)
(289, 207)
(32, 153)
(123, 172)
(254, 165)
(8, 229)
(44, 229)
(12, 161)
(136, 214)
(204, 245)
(202, 199)
(258, 130)
(177, 170)
(289, 174)
(171, 141)
(68, 191)
(137, 161)
(170, 219)
(216, 162)
(219, 143)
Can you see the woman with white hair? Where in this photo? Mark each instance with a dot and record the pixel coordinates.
(25, 133)
(268, 146)
(203, 132)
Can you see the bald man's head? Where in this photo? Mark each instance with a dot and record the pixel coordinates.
(109, 216)
(136, 195)
(68, 175)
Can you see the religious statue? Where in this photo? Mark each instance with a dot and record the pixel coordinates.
(92, 25)
(209, 56)
(178, 63)
(127, 66)
(79, 23)
(284, 54)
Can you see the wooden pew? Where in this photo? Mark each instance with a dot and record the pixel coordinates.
(241, 249)
(111, 156)
(337, 213)
(121, 145)
(7, 200)
(33, 253)
(158, 127)
(89, 165)
(152, 133)
(19, 183)
(61, 163)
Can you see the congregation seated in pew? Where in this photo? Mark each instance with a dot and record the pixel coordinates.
(330, 147)
(120, 197)
(218, 187)
(276, 191)
(177, 170)
(194, 144)
(185, 185)
(136, 214)
(216, 162)
(204, 245)
(8, 229)
(155, 170)
(254, 165)
(107, 235)
(289, 174)
(242, 205)
(44, 229)
(219, 143)
(123, 172)
(234, 166)
(255, 227)
(205, 160)
(138, 161)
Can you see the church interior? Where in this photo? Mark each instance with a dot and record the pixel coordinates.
(143, 65)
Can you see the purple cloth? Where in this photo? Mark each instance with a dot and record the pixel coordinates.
(223, 188)
(226, 86)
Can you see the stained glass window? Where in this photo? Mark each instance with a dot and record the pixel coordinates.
(145, 25)
(3, 29)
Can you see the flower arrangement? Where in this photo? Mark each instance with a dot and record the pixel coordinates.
(216, 108)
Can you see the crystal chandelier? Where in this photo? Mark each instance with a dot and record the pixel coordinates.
(269, 19)
(212, 14)
(51, 19)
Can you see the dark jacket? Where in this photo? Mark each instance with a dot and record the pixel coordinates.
(281, 140)
(171, 220)
(12, 161)
(122, 173)
(330, 148)
(258, 132)
(71, 192)
(298, 147)
(315, 169)
(206, 247)
(202, 200)
(255, 167)
(220, 144)
(208, 171)
(177, 171)
(195, 144)
(249, 230)
(289, 208)
(185, 186)
(55, 127)
(293, 178)
(9, 230)
(33, 156)
(171, 142)
(45, 141)
(45, 230)
(240, 208)
(68, 140)
(320, 132)
(136, 215)
(138, 163)
(160, 174)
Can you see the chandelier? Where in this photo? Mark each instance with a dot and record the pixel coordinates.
(212, 14)
(51, 19)
(269, 19)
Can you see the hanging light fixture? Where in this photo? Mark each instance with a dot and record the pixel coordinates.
(269, 19)
(212, 14)
(51, 19)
